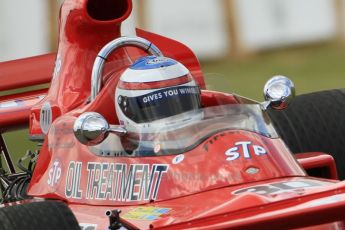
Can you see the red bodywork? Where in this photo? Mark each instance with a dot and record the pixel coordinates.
(199, 189)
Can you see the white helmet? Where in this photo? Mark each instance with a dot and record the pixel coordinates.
(154, 88)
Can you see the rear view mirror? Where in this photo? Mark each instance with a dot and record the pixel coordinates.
(91, 128)
(278, 93)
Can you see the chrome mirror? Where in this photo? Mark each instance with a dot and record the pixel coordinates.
(278, 93)
(91, 128)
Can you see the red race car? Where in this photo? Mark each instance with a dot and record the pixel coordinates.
(132, 139)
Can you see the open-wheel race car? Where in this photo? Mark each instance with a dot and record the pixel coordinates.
(131, 139)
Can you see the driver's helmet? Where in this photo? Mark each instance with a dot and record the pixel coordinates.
(154, 88)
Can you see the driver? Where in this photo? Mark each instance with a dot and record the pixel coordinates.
(154, 88)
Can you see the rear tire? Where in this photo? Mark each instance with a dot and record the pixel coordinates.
(315, 122)
(49, 215)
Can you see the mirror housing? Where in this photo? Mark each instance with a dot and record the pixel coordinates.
(91, 128)
(278, 93)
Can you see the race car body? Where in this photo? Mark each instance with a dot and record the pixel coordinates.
(226, 169)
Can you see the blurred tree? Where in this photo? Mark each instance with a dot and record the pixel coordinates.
(237, 49)
(53, 9)
(340, 19)
(141, 14)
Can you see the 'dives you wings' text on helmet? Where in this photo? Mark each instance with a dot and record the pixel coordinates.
(154, 88)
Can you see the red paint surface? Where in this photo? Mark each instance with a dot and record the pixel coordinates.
(15, 109)
(312, 160)
(210, 166)
(26, 72)
(202, 190)
(81, 37)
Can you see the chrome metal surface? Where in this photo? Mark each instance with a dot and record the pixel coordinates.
(120, 131)
(91, 128)
(278, 92)
(98, 65)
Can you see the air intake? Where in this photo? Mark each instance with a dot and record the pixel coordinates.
(107, 10)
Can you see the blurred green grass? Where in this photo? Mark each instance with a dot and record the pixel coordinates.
(312, 68)
(18, 143)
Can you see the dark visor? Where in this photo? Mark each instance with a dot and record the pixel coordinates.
(160, 104)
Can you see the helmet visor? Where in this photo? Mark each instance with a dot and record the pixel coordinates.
(160, 104)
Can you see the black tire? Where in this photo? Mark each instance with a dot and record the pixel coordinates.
(315, 122)
(49, 215)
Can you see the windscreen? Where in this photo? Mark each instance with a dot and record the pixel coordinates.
(183, 132)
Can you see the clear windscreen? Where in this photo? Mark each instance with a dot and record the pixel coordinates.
(181, 133)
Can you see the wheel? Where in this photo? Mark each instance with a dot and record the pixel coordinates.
(315, 122)
(49, 215)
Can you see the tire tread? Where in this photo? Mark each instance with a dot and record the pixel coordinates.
(315, 122)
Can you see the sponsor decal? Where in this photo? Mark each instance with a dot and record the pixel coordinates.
(46, 117)
(152, 62)
(54, 174)
(178, 159)
(214, 139)
(245, 149)
(115, 181)
(277, 188)
(72, 187)
(146, 213)
(158, 60)
(85, 226)
(162, 94)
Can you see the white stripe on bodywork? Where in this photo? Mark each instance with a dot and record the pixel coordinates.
(9, 104)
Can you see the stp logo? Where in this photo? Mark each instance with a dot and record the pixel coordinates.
(54, 173)
(246, 148)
